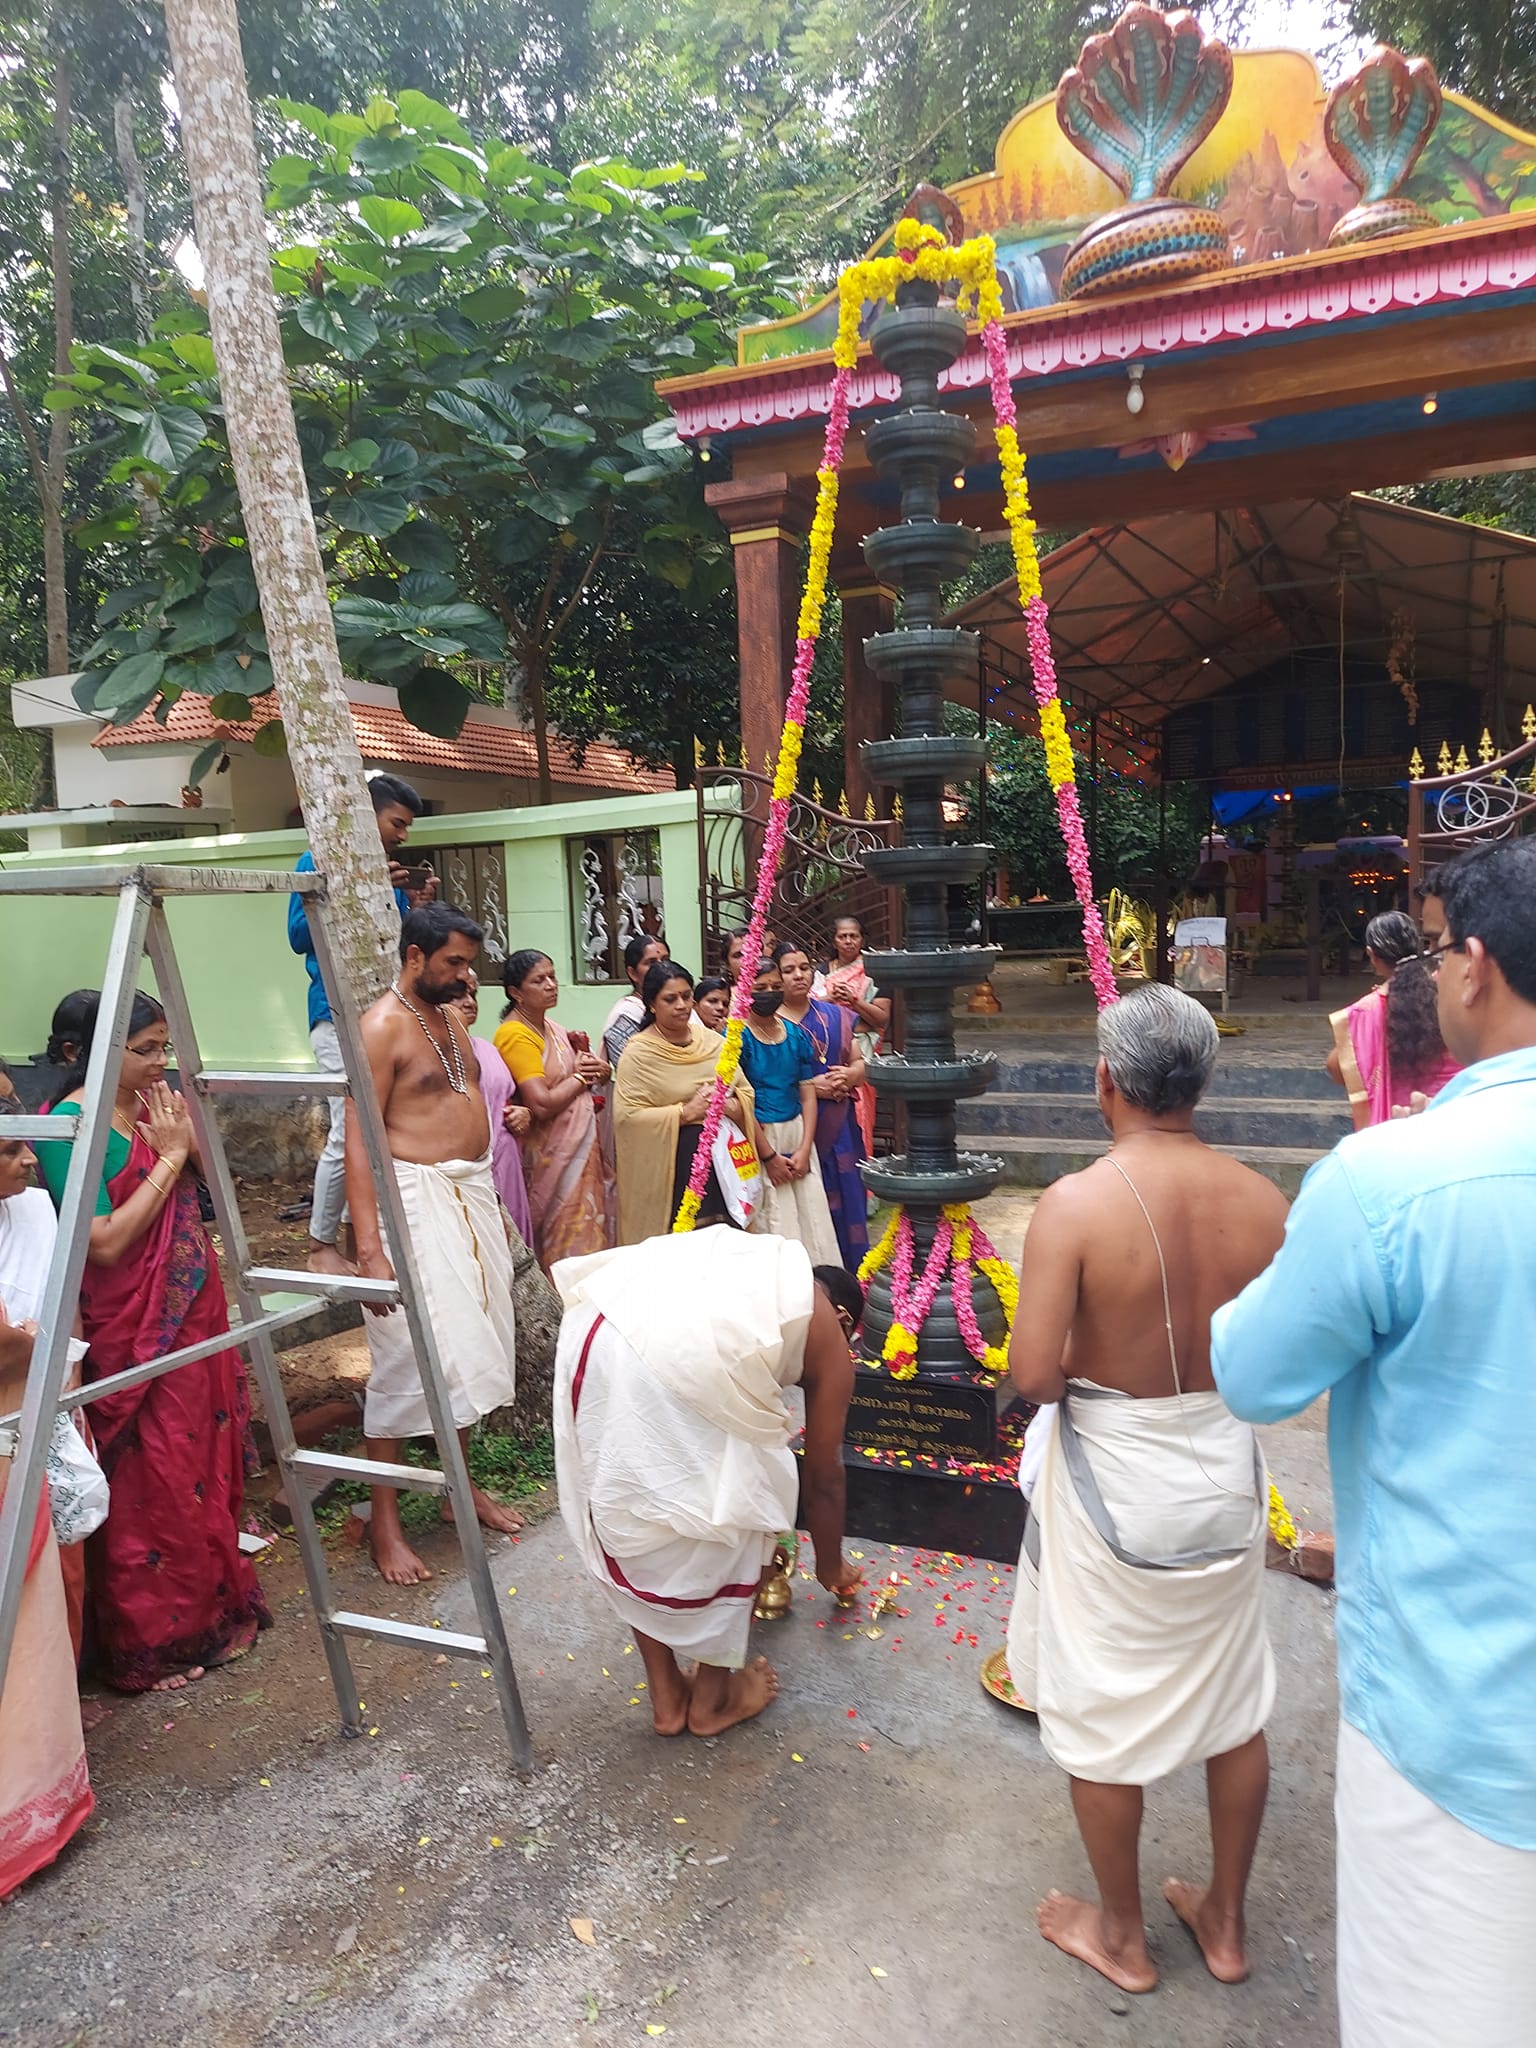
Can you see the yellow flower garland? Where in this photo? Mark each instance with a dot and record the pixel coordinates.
(1281, 1525)
(880, 1254)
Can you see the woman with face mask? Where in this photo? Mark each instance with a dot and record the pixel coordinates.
(778, 1059)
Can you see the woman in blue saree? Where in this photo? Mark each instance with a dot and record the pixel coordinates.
(839, 1072)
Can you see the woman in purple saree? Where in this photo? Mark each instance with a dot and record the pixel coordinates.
(839, 1074)
(509, 1122)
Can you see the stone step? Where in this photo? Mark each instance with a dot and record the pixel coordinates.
(1036, 1162)
(1051, 1070)
(1247, 1121)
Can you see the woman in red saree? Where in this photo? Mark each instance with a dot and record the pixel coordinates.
(169, 1591)
(1387, 1047)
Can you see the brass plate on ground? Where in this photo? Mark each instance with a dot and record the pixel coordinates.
(995, 1680)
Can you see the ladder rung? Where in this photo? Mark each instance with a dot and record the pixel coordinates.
(271, 1081)
(441, 1639)
(329, 1286)
(228, 1340)
(59, 1130)
(421, 1478)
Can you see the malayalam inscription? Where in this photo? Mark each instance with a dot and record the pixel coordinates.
(929, 1421)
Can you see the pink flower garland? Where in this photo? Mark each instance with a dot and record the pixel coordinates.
(774, 834)
(910, 1305)
(1043, 667)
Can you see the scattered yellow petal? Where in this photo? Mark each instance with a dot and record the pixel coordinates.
(400, 1888)
(795, 1757)
(875, 1970)
(424, 1841)
(655, 2027)
(362, 1705)
(678, 1819)
(373, 1731)
(570, 1655)
(629, 1648)
(606, 1672)
(265, 1781)
(511, 1589)
(484, 1674)
(585, 1932)
(495, 1841)
(635, 1700)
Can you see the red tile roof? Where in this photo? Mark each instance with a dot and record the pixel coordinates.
(385, 733)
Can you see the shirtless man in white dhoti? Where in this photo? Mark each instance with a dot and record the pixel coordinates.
(427, 1078)
(672, 1436)
(1138, 1628)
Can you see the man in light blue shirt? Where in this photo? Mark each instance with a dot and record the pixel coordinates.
(396, 807)
(1406, 1289)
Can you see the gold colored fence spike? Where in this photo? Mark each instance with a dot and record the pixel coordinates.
(1528, 724)
(1485, 747)
(842, 804)
(768, 764)
(1443, 760)
(742, 760)
(869, 809)
(698, 751)
(1462, 763)
(1415, 765)
(896, 810)
(816, 796)
(719, 753)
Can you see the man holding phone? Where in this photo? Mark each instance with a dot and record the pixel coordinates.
(396, 806)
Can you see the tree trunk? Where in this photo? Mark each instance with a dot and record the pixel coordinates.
(533, 684)
(55, 573)
(225, 180)
(137, 206)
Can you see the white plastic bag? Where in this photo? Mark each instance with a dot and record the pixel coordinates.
(739, 1172)
(78, 1497)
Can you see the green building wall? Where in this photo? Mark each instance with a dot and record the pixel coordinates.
(246, 987)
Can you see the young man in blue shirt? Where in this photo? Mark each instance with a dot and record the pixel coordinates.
(396, 806)
(1406, 1289)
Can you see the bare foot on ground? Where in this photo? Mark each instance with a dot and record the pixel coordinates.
(1221, 1941)
(176, 1681)
(324, 1258)
(1077, 1928)
(670, 1698)
(92, 1713)
(398, 1564)
(746, 1694)
(491, 1514)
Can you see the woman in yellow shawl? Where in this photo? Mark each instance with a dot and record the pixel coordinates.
(568, 1191)
(660, 1093)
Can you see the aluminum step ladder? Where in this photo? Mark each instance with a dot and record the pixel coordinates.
(265, 1295)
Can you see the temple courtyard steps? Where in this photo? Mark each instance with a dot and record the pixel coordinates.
(1270, 1104)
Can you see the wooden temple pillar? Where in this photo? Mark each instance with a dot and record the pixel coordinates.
(868, 607)
(767, 518)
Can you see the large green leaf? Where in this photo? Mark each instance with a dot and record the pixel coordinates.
(133, 681)
(120, 601)
(205, 763)
(443, 236)
(170, 436)
(386, 152)
(355, 459)
(270, 740)
(560, 430)
(369, 511)
(194, 625)
(214, 674)
(433, 700)
(421, 544)
(588, 343)
(390, 219)
(350, 329)
(463, 412)
(490, 304)
(428, 586)
(417, 111)
(196, 351)
(231, 706)
(558, 505)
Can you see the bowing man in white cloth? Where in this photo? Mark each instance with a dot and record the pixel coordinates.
(673, 1425)
(1138, 1631)
(427, 1078)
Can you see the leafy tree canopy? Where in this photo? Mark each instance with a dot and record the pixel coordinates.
(473, 340)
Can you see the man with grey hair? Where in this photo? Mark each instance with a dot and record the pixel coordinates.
(1137, 1632)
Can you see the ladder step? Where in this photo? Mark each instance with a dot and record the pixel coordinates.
(271, 1081)
(443, 1640)
(420, 1478)
(61, 1130)
(329, 1286)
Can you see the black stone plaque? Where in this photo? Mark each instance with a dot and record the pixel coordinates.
(927, 1419)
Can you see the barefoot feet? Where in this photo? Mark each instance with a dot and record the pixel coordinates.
(324, 1258)
(490, 1513)
(398, 1564)
(1078, 1929)
(1220, 1935)
(175, 1681)
(671, 1694)
(744, 1694)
